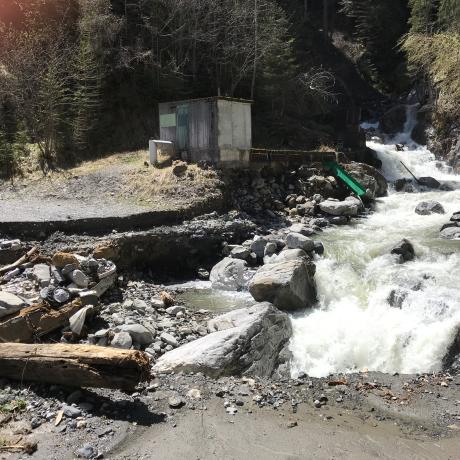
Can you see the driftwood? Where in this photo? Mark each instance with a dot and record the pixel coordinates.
(74, 365)
(20, 261)
(36, 321)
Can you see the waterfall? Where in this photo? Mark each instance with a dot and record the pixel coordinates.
(374, 313)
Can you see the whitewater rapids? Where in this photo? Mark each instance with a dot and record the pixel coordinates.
(354, 327)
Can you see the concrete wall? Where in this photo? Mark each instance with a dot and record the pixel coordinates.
(234, 131)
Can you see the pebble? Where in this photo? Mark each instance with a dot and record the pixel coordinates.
(87, 451)
(175, 402)
(169, 339)
(71, 412)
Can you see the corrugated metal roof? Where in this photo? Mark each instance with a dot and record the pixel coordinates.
(211, 98)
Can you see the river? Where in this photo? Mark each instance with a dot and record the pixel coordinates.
(354, 327)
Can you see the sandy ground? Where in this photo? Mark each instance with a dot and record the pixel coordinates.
(421, 421)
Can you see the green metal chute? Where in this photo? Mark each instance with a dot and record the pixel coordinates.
(351, 183)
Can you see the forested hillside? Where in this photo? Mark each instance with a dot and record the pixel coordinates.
(80, 78)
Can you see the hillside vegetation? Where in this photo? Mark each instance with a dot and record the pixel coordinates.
(82, 78)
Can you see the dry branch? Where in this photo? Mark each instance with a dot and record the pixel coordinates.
(19, 262)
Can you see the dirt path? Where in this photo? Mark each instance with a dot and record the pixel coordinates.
(116, 186)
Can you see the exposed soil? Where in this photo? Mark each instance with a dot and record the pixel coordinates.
(274, 420)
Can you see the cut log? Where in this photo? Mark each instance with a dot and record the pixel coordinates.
(36, 321)
(74, 365)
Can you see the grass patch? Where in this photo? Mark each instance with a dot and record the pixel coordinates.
(151, 184)
(17, 405)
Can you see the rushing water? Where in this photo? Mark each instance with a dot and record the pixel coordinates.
(354, 327)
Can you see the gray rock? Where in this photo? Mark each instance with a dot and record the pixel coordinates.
(425, 208)
(288, 285)
(258, 246)
(240, 252)
(298, 241)
(302, 229)
(9, 304)
(87, 451)
(61, 295)
(174, 310)
(139, 334)
(42, 274)
(140, 305)
(319, 247)
(451, 233)
(430, 182)
(340, 208)
(79, 278)
(122, 340)
(169, 339)
(404, 250)
(11, 274)
(339, 220)
(250, 347)
(71, 412)
(270, 249)
(175, 402)
(288, 254)
(88, 297)
(229, 274)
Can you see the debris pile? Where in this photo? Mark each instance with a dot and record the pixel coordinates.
(40, 294)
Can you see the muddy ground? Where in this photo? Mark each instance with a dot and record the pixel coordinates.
(367, 416)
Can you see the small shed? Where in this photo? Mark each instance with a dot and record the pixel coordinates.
(215, 129)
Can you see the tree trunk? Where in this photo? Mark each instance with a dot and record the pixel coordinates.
(256, 50)
(74, 365)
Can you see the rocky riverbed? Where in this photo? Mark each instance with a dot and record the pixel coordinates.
(223, 373)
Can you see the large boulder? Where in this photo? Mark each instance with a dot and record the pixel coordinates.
(299, 241)
(371, 179)
(404, 250)
(242, 342)
(9, 304)
(286, 255)
(288, 285)
(230, 274)
(425, 208)
(339, 208)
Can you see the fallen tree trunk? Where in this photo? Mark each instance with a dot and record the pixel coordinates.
(33, 322)
(74, 365)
